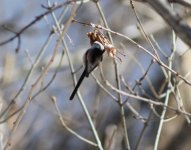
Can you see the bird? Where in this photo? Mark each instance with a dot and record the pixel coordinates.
(92, 58)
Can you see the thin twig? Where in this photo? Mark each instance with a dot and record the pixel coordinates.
(147, 100)
(136, 114)
(38, 18)
(29, 97)
(167, 93)
(157, 46)
(33, 66)
(74, 79)
(98, 82)
(127, 145)
(139, 46)
(143, 131)
(143, 71)
(68, 128)
(142, 29)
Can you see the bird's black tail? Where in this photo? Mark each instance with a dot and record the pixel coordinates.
(78, 84)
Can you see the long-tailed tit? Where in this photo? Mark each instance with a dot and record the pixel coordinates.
(92, 58)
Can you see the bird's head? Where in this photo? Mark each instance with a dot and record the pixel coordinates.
(98, 45)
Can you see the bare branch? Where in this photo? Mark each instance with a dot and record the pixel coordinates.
(185, 3)
(182, 29)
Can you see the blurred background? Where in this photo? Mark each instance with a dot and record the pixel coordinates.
(41, 127)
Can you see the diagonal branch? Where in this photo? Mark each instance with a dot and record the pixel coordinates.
(186, 3)
(182, 29)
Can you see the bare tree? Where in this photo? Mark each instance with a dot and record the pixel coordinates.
(136, 97)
